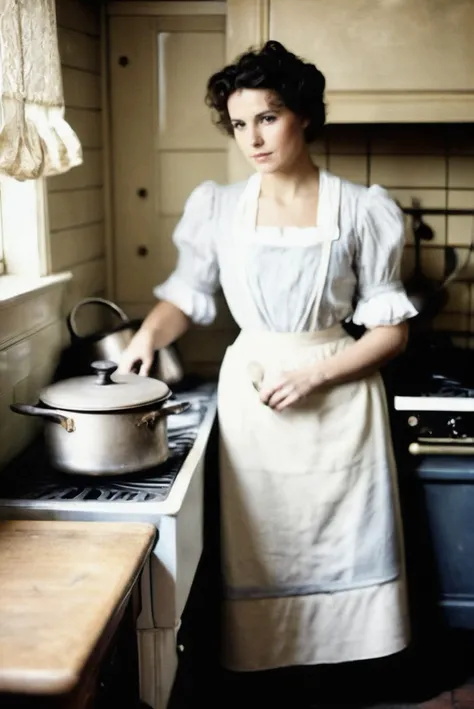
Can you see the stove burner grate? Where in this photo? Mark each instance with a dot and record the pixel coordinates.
(150, 486)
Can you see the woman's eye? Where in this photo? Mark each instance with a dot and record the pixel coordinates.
(238, 125)
(268, 119)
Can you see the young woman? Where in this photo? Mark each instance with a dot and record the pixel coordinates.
(312, 553)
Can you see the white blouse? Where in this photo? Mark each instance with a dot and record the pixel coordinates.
(363, 280)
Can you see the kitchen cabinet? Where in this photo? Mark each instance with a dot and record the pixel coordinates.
(384, 60)
(163, 142)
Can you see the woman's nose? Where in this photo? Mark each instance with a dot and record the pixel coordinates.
(256, 139)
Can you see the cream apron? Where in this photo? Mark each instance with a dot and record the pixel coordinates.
(312, 553)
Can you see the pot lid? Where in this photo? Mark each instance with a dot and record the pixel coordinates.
(103, 392)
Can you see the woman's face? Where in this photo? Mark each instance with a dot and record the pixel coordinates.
(269, 135)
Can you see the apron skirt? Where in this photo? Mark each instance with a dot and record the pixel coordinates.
(312, 554)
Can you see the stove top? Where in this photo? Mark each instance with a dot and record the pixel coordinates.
(435, 376)
(31, 477)
(440, 393)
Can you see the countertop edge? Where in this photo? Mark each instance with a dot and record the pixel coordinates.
(172, 504)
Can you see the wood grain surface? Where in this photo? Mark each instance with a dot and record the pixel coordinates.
(61, 584)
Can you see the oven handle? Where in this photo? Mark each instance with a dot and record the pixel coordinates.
(421, 449)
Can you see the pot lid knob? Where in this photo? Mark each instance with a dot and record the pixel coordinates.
(104, 370)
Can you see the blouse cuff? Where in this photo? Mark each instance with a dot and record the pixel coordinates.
(200, 307)
(390, 306)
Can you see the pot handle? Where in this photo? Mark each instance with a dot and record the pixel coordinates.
(51, 414)
(152, 417)
(71, 318)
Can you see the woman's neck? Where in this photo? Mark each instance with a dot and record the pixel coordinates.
(285, 186)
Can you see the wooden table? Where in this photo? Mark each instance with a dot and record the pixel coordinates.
(66, 590)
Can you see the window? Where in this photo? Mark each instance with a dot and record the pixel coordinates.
(23, 228)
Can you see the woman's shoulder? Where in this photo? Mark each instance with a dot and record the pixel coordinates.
(214, 201)
(356, 191)
(229, 194)
(364, 200)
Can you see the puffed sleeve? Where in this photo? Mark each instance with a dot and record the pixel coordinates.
(382, 299)
(193, 283)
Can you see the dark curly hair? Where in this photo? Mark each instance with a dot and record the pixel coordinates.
(298, 84)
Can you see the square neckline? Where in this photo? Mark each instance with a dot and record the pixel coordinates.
(264, 228)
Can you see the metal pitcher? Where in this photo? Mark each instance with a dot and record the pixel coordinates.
(109, 344)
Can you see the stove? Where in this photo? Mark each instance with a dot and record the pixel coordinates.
(434, 399)
(170, 496)
(433, 434)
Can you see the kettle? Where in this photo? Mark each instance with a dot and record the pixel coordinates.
(109, 344)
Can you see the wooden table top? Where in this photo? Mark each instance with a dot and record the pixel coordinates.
(61, 583)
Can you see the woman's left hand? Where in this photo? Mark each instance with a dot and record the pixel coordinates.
(291, 387)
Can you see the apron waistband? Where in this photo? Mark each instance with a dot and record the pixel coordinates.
(284, 339)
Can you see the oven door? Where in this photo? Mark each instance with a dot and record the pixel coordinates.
(441, 542)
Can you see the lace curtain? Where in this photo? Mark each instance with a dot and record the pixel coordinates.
(35, 140)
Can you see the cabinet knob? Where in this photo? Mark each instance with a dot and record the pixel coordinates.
(142, 251)
(124, 61)
(142, 193)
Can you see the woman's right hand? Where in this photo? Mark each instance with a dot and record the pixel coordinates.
(140, 351)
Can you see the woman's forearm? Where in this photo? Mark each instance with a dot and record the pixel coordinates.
(375, 348)
(165, 323)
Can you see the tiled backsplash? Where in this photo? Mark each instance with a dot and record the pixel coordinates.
(431, 163)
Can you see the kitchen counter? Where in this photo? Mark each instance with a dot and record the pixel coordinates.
(63, 589)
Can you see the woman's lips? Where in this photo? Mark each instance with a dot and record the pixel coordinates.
(261, 156)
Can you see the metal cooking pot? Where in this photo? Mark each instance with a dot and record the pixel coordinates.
(105, 425)
(110, 344)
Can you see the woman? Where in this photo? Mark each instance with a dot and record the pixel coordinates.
(312, 558)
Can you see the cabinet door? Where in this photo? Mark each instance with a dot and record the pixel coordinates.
(384, 60)
(163, 140)
(382, 45)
